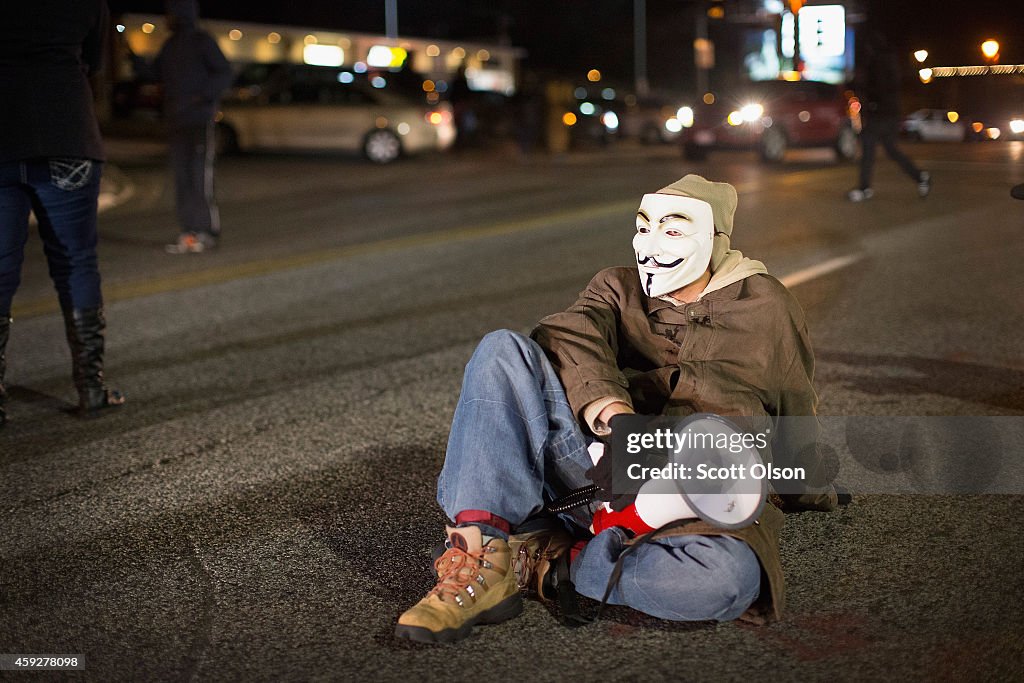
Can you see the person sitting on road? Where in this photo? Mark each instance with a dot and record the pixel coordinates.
(695, 328)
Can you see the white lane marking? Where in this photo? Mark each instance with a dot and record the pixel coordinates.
(817, 270)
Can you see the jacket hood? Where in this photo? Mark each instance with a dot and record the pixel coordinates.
(729, 266)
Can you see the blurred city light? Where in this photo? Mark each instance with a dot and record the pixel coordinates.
(685, 116)
(608, 94)
(323, 55)
(120, 28)
(587, 109)
(709, 98)
(610, 120)
(309, 39)
(672, 125)
(235, 34)
(273, 37)
(345, 77)
(751, 112)
(1017, 126)
(735, 118)
(925, 75)
(433, 50)
(569, 119)
(148, 27)
(952, 116)
(593, 75)
(990, 49)
(382, 56)
(921, 55)
(993, 133)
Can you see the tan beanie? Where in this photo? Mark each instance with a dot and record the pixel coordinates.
(722, 198)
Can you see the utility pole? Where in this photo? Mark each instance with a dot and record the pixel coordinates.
(391, 18)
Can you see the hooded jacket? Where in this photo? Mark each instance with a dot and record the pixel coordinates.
(741, 349)
(193, 69)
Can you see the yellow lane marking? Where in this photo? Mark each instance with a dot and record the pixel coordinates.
(124, 291)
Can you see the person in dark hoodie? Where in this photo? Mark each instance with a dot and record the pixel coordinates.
(195, 73)
(51, 159)
(879, 90)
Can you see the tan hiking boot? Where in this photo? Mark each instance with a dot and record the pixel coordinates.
(475, 585)
(534, 554)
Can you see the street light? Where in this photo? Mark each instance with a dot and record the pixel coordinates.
(990, 49)
(921, 55)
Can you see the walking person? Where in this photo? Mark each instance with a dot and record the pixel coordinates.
(51, 160)
(879, 92)
(195, 73)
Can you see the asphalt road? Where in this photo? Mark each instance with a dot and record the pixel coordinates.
(262, 509)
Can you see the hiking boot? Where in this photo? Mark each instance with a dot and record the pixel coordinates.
(859, 194)
(534, 554)
(924, 184)
(475, 585)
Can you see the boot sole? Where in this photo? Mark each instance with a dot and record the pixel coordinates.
(510, 607)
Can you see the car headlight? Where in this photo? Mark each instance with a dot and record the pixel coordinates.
(751, 112)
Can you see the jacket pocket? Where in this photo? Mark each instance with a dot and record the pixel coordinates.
(70, 174)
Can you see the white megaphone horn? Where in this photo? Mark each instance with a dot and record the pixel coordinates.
(719, 478)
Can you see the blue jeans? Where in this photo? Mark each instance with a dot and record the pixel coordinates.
(515, 444)
(63, 194)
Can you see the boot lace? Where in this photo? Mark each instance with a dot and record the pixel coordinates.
(458, 570)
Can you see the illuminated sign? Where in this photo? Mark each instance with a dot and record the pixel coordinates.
(822, 31)
(382, 56)
(323, 55)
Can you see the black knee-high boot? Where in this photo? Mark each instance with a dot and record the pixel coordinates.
(5, 334)
(84, 328)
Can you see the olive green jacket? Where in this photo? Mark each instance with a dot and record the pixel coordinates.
(740, 350)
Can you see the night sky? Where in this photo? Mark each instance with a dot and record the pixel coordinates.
(581, 34)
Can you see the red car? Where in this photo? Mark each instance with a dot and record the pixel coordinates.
(773, 116)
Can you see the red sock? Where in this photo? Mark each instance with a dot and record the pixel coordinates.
(482, 517)
(576, 549)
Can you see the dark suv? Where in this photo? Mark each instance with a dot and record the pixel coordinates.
(771, 117)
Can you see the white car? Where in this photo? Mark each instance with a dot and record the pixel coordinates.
(302, 107)
(935, 125)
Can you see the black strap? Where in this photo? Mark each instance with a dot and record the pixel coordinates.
(572, 617)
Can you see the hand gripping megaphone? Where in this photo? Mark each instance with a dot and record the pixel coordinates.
(714, 472)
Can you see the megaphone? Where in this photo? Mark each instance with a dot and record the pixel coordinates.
(720, 478)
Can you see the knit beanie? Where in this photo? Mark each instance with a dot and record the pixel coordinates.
(722, 198)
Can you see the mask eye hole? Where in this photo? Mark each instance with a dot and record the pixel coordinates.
(643, 229)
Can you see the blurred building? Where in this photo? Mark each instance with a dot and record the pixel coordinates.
(489, 68)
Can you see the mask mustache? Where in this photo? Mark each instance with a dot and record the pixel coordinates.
(650, 260)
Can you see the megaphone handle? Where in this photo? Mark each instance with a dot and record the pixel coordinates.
(573, 499)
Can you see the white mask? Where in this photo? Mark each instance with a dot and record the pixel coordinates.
(673, 242)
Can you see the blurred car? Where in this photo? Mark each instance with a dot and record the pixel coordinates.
(653, 121)
(772, 117)
(934, 125)
(303, 107)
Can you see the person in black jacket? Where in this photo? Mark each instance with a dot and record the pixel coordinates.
(51, 159)
(879, 92)
(195, 73)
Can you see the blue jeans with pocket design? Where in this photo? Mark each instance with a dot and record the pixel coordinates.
(63, 195)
